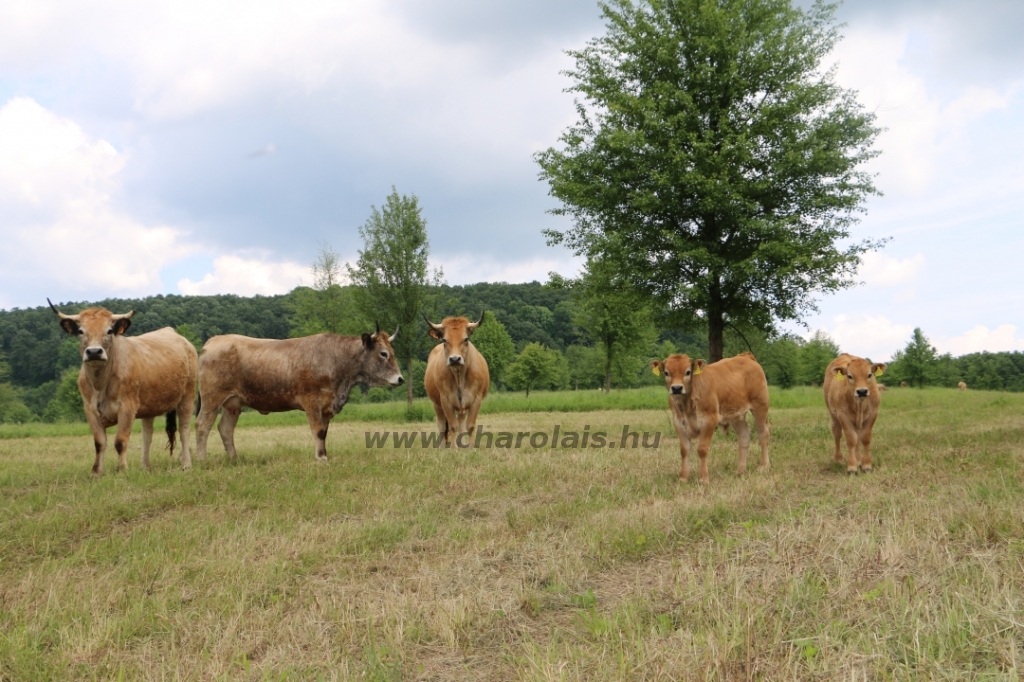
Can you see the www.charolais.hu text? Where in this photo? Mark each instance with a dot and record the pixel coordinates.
(555, 438)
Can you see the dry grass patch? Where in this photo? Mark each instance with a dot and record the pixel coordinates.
(526, 564)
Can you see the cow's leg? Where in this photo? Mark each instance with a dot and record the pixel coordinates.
(704, 448)
(742, 429)
(184, 410)
(684, 448)
(226, 427)
(124, 432)
(852, 441)
(318, 425)
(837, 434)
(865, 444)
(764, 436)
(474, 410)
(208, 411)
(99, 439)
(442, 422)
(147, 441)
(452, 418)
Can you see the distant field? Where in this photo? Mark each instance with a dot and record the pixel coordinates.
(524, 564)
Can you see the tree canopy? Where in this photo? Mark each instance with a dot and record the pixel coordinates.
(714, 160)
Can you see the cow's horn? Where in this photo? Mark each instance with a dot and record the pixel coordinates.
(127, 316)
(54, 309)
(375, 322)
(473, 325)
(436, 327)
(391, 339)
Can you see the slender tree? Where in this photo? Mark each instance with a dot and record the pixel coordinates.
(395, 284)
(714, 159)
(495, 344)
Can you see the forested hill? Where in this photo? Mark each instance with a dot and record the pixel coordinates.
(32, 341)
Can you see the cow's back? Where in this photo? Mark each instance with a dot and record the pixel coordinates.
(248, 365)
(737, 384)
(159, 368)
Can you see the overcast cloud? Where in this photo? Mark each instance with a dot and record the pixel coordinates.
(204, 147)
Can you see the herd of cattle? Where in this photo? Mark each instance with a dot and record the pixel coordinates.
(126, 378)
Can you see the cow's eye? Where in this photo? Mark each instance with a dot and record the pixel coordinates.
(687, 372)
(664, 374)
(79, 331)
(109, 332)
(870, 375)
(384, 354)
(850, 377)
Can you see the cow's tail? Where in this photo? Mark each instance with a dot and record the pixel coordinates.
(171, 428)
(199, 404)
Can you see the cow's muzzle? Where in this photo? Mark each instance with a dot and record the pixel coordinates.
(677, 389)
(94, 354)
(862, 393)
(455, 361)
(397, 381)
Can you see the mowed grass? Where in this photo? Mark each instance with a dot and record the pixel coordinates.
(526, 564)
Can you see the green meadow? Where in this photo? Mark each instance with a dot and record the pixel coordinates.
(523, 564)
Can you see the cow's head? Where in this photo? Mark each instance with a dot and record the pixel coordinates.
(454, 333)
(381, 366)
(678, 371)
(859, 375)
(95, 329)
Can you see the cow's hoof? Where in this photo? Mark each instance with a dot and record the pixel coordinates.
(321, 460)
(851, 472)
(866, 469)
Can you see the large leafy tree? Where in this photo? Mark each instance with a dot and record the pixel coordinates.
(714, 159)
(395, 284)
(326, 305)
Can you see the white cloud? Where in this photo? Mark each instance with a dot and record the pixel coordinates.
(869, 336)
(981, 338)
(877, 269)
(468, 269)
(246, 277)
(57, 218)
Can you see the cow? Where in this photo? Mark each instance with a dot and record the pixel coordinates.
(961, 386)
(124, 378)
(881, 387)
(702, 397)
(313, 373)
(457, 378)
(852, 398)
(903, 384)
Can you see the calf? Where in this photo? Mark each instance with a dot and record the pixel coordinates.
(313, 374)
(457, 378)
(852, 397)
(703, 396)
(124, 378)
(961, 386)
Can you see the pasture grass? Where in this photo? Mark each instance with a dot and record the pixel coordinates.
(526, 564)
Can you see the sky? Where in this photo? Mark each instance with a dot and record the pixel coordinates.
(215, 146)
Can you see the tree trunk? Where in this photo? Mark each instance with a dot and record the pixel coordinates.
(716, 329)
(408, 382)
(608, 370)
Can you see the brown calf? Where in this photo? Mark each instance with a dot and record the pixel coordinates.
(961, 386)
(124, 378)
(457, 378)
(852, 397)
(703, 396)
(313, 374)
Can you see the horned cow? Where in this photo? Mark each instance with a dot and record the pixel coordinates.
(703, 396)
(314, 374)
(457, 378)
(124, 378)
(852, 397)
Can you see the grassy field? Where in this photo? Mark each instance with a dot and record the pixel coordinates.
(524, 564)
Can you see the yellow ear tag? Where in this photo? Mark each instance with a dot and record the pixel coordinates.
(839, 374)
(655, 371)
(880, 372)
(697, 370)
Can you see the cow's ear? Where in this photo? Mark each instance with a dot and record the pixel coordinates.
(657, 367)
(878, 368)
(121, 326)
(368, 341)
(435, 334)
(698, 366)
(69, 325)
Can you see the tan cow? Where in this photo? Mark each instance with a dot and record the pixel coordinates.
(128, 377)
(703, 396)
(457, 377)
(852, 397)
(313, 374)
(961, 386)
